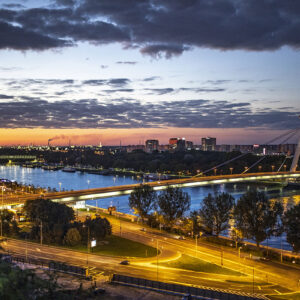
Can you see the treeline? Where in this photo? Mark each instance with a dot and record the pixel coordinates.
(188, 162)
(253, 216)
(54, 223)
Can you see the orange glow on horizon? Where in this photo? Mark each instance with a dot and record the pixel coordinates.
(113, 136)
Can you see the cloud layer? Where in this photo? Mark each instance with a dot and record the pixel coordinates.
(156, 27)
(29, 112)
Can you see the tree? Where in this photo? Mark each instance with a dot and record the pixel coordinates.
(291, 221)
(215, 212)
(9, 225)
(173, 203)
(196, 223)
(99, 228)
(55, 218)
(48, 211)
(73, 237)
(256, 216)
(143, 199)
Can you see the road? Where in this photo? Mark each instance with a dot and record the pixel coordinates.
(271, 278)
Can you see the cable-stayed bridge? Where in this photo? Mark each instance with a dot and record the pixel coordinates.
(114, 191)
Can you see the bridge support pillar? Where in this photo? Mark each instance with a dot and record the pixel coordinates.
(296, 158)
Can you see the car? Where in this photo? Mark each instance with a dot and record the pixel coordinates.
(124, 262)
(181, 238)
(143, 229)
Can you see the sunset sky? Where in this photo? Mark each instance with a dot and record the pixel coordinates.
(125, 70)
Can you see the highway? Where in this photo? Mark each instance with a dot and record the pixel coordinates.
(112, 191)
(271, 278)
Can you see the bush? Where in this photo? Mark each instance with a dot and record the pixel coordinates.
(72, 238)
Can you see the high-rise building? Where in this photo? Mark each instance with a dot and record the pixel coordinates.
(180, 145)
(152, 145)
(189, 145)
(177, 144)
(209, 144)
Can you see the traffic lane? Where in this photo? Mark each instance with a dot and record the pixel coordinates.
(230, 259)
(113, 265)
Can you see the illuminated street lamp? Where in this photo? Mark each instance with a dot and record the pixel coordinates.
(215, 170)
(259, 168)
(272, 168)
(284, 168)
(231, 170)
(88, 182)
(59, 186)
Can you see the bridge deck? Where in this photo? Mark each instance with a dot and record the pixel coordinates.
(113, 191)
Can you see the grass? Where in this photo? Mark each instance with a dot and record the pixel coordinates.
(195, 264)
(118, 246)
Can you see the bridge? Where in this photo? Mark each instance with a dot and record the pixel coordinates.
(71, 197)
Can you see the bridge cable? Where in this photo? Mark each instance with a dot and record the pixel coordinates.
(282, 164)
(289, 133)
(295, 133)
(289, 136)
(253, 165)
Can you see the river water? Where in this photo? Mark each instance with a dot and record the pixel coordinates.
(78, 180)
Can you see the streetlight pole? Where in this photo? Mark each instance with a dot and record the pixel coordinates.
(59, 186)
(41, 226)
(196, 245)
(222, 256)
(88, 248)
(156, 260)
(2, 187)
(253, 282)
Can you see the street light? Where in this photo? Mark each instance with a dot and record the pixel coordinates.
(215, 170)
(231, 170)
(88, 247)
(156, 260)
(272, 168)
(3, 188)
(59, 186)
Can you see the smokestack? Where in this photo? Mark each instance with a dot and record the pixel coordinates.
(49, 142)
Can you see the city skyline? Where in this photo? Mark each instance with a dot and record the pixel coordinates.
(102, 71)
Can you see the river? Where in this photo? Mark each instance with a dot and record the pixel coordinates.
(78, 180)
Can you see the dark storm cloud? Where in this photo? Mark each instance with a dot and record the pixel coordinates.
(32, 112)
(157, 27)
(13, 5)
(12, 37)
(6, 96)
(168, 50)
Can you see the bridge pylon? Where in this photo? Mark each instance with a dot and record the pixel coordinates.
(296, 158)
